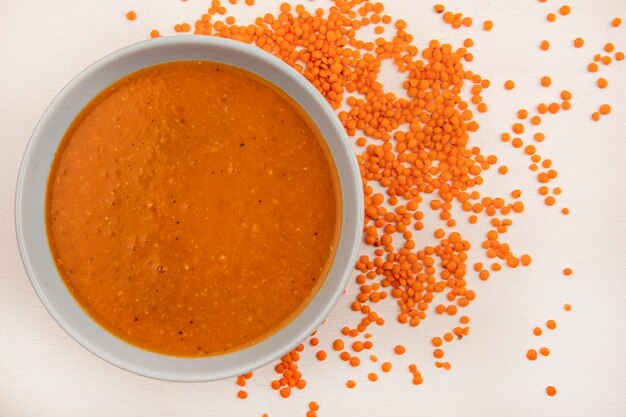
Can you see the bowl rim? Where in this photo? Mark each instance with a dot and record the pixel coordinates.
(352, 178)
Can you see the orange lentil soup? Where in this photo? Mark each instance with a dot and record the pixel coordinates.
(193, 209)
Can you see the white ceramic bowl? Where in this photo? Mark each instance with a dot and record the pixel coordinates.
(31, 192)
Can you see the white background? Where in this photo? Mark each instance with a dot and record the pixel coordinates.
(43, 371)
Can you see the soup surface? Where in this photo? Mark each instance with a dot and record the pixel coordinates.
(193, 209)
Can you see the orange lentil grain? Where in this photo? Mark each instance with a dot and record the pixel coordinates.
(131, 15)
(579, 42)
(544, 351)
(372, 377)
(546, 81)
(509, 85)
(531, 354)
(551, 324)
(550, 390)
(537, 331)
(544, 45)
(616, 22)
(565, 10)
(602, 83)
(399, 349)
(338, 344)
(487, 25)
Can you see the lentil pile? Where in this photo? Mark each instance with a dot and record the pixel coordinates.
(415, 156)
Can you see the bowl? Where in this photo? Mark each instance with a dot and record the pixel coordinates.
(31, 196)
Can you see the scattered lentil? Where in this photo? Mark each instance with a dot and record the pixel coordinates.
(394, 133)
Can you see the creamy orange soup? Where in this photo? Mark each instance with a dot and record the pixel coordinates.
(193, 209)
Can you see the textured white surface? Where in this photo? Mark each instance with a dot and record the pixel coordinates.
(44, 372)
